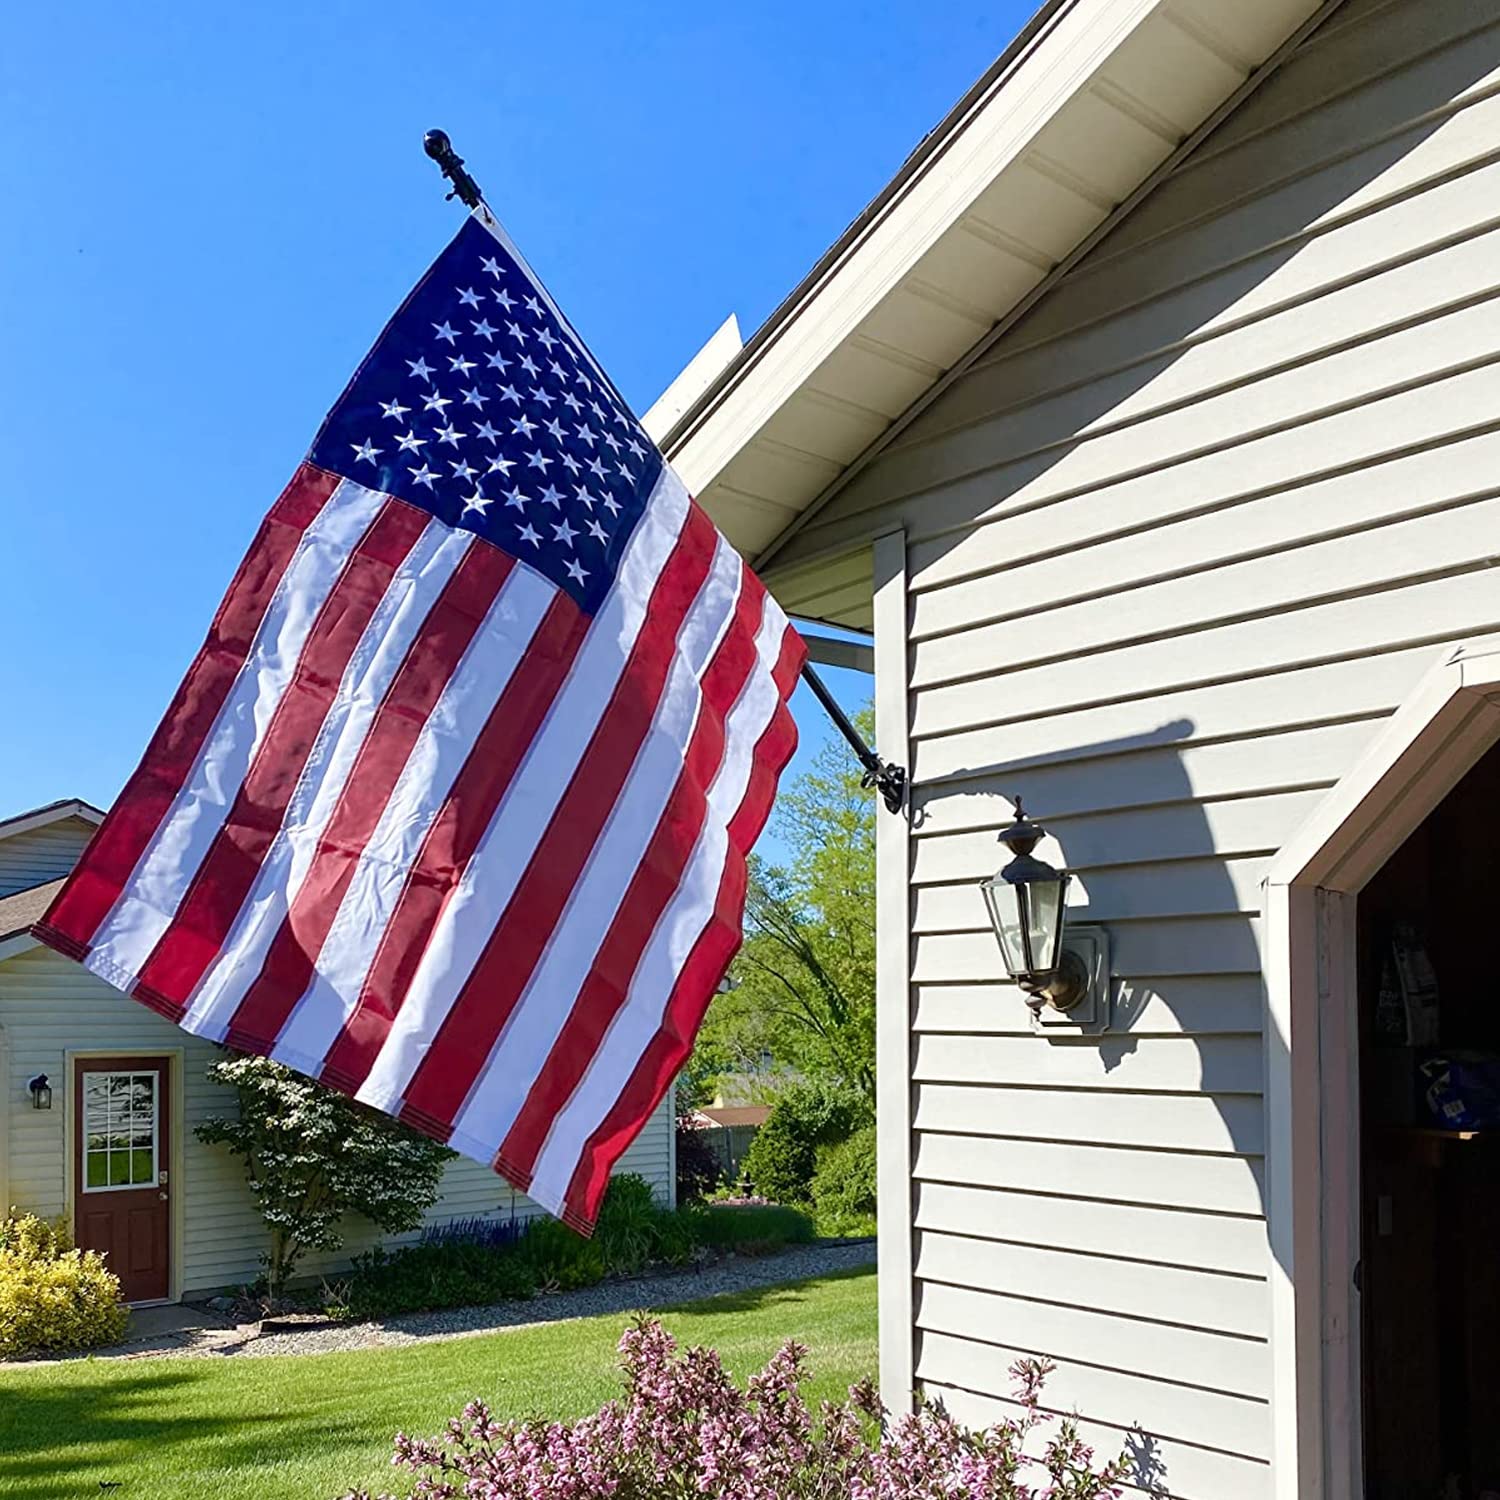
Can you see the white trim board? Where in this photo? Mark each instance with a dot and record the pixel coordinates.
(893, 1007)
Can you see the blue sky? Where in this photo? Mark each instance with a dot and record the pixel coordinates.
(211, 210)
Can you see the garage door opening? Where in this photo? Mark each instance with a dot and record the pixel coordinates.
(1429, 1068)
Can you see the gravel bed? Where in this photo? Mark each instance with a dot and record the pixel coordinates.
(734, 1274)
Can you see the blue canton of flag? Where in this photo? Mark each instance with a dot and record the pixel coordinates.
(480, 404)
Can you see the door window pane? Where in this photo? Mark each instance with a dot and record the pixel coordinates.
(120, 1129)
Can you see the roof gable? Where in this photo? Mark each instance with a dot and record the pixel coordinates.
(48, 813)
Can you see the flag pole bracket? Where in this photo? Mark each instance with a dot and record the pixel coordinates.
(890, 781)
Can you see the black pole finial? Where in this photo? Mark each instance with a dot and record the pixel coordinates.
(437, 145)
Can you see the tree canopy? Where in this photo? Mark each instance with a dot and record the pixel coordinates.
(803, 1001)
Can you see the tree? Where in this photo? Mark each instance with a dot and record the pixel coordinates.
(312, 1156)
(804, 995)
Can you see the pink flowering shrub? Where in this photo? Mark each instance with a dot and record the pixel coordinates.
(683, 1429)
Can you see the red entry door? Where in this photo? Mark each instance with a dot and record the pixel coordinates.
(122, 1205)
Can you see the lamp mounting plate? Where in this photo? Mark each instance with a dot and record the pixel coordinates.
(1087, 949)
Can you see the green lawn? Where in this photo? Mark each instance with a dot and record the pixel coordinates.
(312, 1426)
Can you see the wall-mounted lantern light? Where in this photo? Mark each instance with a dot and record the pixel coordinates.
(1026, 905)
(41, 1092)
(1066, 983)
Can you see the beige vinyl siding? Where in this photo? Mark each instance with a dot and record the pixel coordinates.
(50, 1006)
(41, 854)
(1176, 545)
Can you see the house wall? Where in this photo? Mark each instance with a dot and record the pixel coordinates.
(50, 1005)
(41, 854)
(1175, 547)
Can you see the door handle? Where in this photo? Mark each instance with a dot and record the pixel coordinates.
(162, 1196)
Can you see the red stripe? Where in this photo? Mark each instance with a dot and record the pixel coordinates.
(221, 883)
(455, 833)
(489, 993)
(116, 848)
(651, 888)
(706, 965)
(441, 641)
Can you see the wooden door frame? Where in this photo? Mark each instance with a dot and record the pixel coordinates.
(176, 1092)
(1312, 1060)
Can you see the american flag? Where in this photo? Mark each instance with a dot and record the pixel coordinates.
(451, 810)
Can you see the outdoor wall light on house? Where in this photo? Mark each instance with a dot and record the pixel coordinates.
(1027, 907)
(41, 1092)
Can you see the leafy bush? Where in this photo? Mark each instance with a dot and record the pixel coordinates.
(312, 1156)
(843, 1188)
(626, 1228)
(560, 1259)
(783, 1156)
(755, 1229)
(427, 1278)
(634, 1231)
(677, 1236)
(52, 1296)
(699, 1170)
(37, 1239)
(683, 1427)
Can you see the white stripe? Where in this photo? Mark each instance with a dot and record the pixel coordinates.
(678, 930)
(149, 900)
(505, 850)
(414, 589)
(545, 1004)
(443, 746)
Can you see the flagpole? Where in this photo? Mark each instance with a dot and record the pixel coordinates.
(888, 780)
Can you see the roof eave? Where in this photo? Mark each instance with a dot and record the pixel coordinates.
(1081, 115)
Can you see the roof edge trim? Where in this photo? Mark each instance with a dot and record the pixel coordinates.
(926, 153)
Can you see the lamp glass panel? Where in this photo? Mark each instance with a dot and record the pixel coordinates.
(1007, 914)
(1046, 921)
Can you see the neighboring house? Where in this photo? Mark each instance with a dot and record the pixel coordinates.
(1150, 420)
(728, 1130)
(183, 1222)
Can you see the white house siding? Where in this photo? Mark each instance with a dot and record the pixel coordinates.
(41, 854)
(49, 1005)
(1175, 546)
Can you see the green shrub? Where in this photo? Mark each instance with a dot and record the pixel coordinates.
(843, 1188)
(313, 1157)
(755, 1229)
(427, 1278)
(38, 1239)
(699, 1170)
(559, 1258)
(53, 1297)
(783, 1156)
(626, 1229)
(677, 1235)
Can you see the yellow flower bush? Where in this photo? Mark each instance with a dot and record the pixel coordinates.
(51, 1295)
